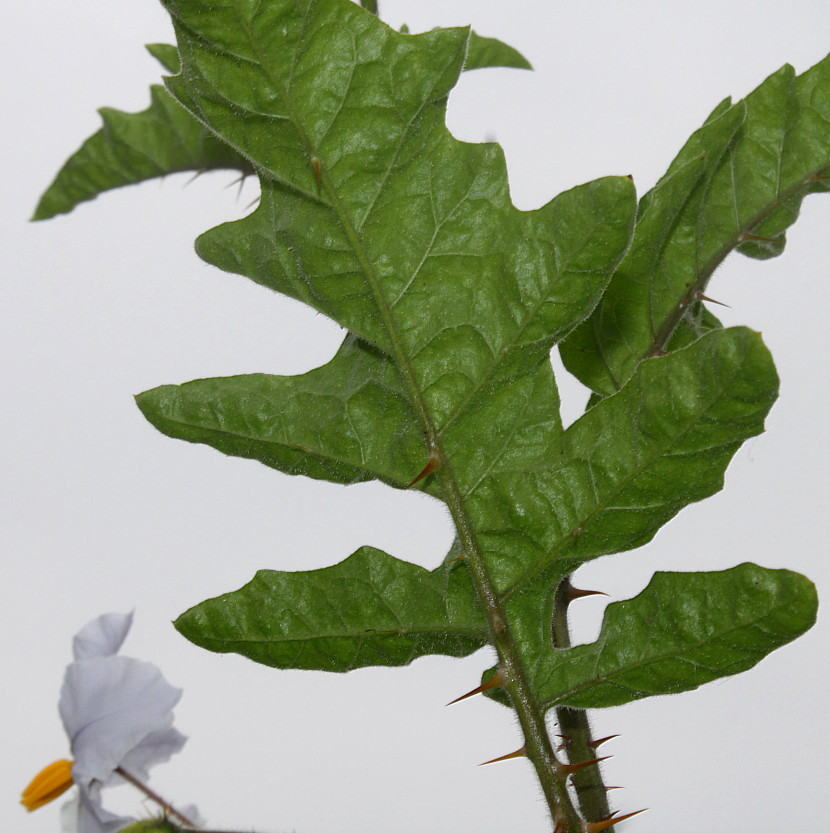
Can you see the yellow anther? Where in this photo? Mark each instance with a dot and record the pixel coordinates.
(47, 785)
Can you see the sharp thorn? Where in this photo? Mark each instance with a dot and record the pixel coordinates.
(614, 788)
(194, 177)
(240, 178)
(519, 753)
(595, 743)
(567, 769)
(429, 468)
(702, 297)
(576, 593)
(496, 680)
(599, 826)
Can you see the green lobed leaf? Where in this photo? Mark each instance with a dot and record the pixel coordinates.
(739, 178)
(371, 609)
(133, 147)
(408, 237)
(372, 213)
(683, 630)
(375, 215)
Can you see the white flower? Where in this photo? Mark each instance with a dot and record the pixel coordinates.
(118, 715)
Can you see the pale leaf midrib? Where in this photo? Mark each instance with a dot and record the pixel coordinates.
(366, 634)
(311, 452)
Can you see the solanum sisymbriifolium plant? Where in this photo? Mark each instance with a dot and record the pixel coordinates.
(452, 299)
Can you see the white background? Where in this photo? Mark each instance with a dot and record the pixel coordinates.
(101, 513)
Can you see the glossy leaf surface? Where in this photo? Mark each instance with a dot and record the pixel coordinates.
(738, 183)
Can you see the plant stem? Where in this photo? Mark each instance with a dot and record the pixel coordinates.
(574, 725)
(153, 796)
(538, 747)
(370, 5)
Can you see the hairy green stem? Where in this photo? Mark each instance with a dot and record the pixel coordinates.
(537, 746)
(575, 726)
(370, 5)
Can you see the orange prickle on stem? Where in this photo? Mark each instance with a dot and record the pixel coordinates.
(52, 781)
(595, 743)
(599, 826)
(567, 769)
(429, 468)
(702, 297)
(519, 753)
(575, 593)
(496, 680)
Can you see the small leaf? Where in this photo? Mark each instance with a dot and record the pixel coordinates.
(683, 630)
(133, 147)
(491, 52)
(738, 183)
(371, 609)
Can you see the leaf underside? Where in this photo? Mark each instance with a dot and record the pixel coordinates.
(373, 214)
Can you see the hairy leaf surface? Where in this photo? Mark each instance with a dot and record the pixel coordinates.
(134, 147)
(683, 630)
(738, 183)
(165, 139)
(370, 609)
(635, 459)
(346, 422)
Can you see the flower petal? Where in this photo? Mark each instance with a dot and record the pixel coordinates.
(110, 706)
(84, 814)
(156, 748)
(102, 637)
